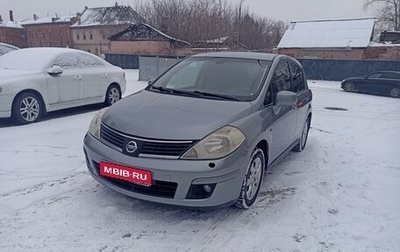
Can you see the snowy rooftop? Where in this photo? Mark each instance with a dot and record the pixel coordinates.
(10, 24)
(108, 16)
(340, 33)
(46, 20)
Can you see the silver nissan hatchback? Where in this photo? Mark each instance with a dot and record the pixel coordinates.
(204, 132)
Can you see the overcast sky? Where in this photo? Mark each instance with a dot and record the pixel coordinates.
(285, 10)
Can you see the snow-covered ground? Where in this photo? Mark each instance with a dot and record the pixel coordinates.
(340, 194)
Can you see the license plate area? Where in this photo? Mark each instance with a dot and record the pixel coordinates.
(130, 174)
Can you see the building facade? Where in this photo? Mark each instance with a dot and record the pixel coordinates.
(49, 31)
(93, 28)
(12, 33)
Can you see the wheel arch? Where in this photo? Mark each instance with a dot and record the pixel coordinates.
(34, 92)
(115, 84)
(263, 145)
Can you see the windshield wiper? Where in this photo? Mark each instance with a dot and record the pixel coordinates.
(194, 93)
(173, 91)
(221, 96)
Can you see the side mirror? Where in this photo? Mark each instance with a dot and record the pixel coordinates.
(286, 98)
(55, 70)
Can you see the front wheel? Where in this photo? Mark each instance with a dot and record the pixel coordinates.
(27, 108)
(252, 180)
(348, 87)
(395, 93)
(113, 95)
(304, 135)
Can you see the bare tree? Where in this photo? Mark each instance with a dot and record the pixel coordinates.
(387, 12)
(201, 20)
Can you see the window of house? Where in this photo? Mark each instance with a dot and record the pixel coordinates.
(77, 36)
(84, 36)
(91, 36)
(104, 36)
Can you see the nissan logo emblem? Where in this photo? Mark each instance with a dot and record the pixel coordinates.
(131, 147)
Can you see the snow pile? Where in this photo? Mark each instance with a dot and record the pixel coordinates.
(340, 194)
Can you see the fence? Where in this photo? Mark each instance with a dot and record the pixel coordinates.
(318, 69)
(151, 67)
(125, 61)
(337, 70)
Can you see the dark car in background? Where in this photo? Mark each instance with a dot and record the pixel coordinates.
(383, 83)
(203, 133)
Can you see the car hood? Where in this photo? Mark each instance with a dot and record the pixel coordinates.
(8, 75)
(171, 117)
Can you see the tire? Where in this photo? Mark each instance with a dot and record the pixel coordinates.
(113, 95)
(348, 86)
(252, 181)
(395, 93)
(27, 108)
(304, 136)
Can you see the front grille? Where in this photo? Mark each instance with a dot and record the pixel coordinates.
(158, 188)
(167, 149)
(111, 137)
(146, 146)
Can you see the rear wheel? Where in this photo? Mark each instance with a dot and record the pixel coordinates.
(252, 180)
(304, 135)
(27, 108)
(348, 86)
(113, 95)
(395, 93)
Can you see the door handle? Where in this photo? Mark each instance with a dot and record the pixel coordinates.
(78, 77)
(104, 75)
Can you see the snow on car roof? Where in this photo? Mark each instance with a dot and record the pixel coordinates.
(32, 59)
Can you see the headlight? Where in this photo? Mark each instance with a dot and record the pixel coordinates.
(217, 145)
(94, 128)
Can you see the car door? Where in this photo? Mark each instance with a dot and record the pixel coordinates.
(304, 96)
(284, 117)
(371, 83)
(65, 88)
(95, 76)
(389, 80)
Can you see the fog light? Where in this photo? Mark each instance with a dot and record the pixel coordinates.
(200, 191)
(207, 188)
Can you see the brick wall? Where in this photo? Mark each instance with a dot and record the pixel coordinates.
(13, 36)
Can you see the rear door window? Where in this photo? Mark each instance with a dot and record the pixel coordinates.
(298, 82)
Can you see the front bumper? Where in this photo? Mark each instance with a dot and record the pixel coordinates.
(174, 181)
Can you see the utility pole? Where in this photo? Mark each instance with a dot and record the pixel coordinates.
(239, 23)
(240, 18)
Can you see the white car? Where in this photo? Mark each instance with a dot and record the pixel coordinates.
(35, 81)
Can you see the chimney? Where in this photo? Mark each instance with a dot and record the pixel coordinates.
(35, 17)
(11, 16)
(164, 24)
(1, 19)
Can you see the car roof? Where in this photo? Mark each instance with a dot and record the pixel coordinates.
(48, 52)
(240, 55)
(38, 57)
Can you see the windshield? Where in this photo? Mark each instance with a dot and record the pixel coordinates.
(25, 60)
(239, 79)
